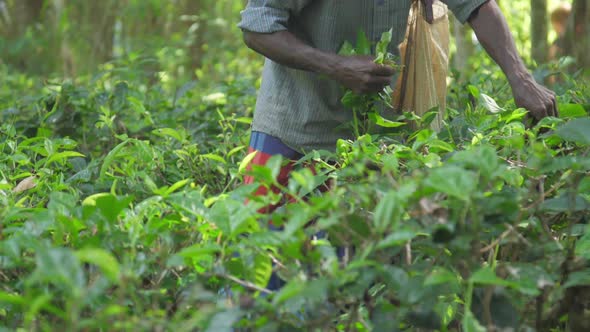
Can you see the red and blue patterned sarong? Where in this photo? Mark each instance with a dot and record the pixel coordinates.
(265, 147)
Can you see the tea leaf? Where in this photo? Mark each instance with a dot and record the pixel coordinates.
(471, 324)
(576, 130)
(103, 259)
(62, 156)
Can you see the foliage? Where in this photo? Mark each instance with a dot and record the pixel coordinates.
(121, 204)
(121, 208)
(177, 39)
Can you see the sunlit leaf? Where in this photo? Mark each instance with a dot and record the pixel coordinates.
(363, 45)
(490, 104)
(246, 162)
(60, 156)
(103, 259)
(572, 111)
(383, 122)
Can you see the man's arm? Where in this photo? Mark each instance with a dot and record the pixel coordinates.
(359, 73)
(494, 35)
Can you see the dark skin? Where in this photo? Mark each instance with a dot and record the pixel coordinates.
(362, 75)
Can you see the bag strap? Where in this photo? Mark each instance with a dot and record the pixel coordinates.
(429, 12)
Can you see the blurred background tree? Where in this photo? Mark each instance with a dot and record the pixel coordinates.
(182, 38)
(74, 37)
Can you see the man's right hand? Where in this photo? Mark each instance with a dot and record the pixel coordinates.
(361, 74)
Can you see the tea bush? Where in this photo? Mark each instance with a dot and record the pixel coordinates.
(121, 208)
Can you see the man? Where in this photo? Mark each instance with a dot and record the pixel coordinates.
(298, 107)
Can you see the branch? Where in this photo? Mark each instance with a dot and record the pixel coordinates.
(243, 283)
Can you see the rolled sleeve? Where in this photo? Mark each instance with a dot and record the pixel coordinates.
(268, 16)
(463, 8)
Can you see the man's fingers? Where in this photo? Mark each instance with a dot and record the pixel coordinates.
(540, 112)
(378, 83)
(555, 107)
(550, 108)
(380, 80)
(381, 70)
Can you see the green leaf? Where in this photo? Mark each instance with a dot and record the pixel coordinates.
(383, 122)
(297, 292)
(163, 132)
(60, 267)
(439, 145)
(441, 276)
(569, 111)
(13, 299)
(112, 156)
(565, 203)
(214, 157)
(583, 245)
(453, 181)
(529, 279)
(275, 165)
(516, 115)
(487, 276)
(199, 250)
(397, 238)
(262, 269)
(424, 319)
(107, 263)
(578, 278)
(224, 321)
(363, 45)
(352, 100)
(504, 315)
(387, 211)
(176, 186)
(109, 205)
(471, 324)
(473, 90)
(382, 318)
(290, 290)
(576, 130)
(62, 156)
(347, 49)
(383, 45)
(244, 164)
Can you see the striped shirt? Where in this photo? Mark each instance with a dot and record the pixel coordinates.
(303, 109)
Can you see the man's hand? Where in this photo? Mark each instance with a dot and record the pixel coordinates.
(492, 31)
(361, 74)
(358, 73)
(537, 99)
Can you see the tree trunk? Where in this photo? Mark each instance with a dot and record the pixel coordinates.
(19, 15)
(577, 40)
(27, 12)
(102, 15)
(539, 31)
(195, 30)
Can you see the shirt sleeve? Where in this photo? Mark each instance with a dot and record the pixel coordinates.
(268, 16)
(463, 8)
